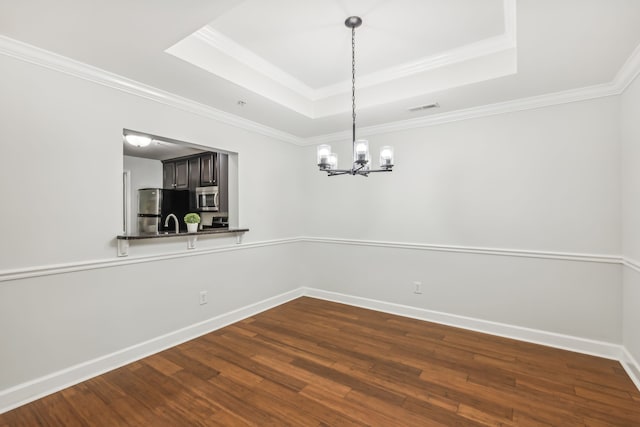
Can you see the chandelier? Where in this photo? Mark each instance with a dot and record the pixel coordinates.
(328, 161)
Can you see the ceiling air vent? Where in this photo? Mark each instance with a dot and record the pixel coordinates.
(424, 107)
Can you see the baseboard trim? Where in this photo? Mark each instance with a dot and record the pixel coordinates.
(551, 339)
(32, 390)
(24, 393)
(631, 365)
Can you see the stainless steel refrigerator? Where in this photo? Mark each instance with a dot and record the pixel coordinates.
(155, 204)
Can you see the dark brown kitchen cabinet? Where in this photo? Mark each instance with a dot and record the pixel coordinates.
(223, 182)
(182, 175)
(208, 169)
(168, 175)
(204, 169)
(175, 175)
(194, 180)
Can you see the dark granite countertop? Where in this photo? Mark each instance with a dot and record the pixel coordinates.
(181, 234)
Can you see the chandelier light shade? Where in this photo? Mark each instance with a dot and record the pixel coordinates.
(386, 157)
(361, 152)
(324, 151)
(328, 161)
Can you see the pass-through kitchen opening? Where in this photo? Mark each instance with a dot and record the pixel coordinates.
(166, 179)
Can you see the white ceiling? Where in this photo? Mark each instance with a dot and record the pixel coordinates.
(161, 149)
(312, 44)
(290, 60)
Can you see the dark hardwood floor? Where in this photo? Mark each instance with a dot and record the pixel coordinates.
(317, 363)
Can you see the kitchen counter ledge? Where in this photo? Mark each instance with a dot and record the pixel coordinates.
(124, 239)
(140, 236)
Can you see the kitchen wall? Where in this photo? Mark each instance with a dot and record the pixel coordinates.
(630, 126)
(144, 173)
(541, 183)
(65, 297)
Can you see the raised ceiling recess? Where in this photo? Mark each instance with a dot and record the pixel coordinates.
(299, 57)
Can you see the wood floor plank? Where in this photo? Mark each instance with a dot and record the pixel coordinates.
(318, 363)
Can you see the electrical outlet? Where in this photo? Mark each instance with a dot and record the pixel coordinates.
(417, 287)
(203, 297)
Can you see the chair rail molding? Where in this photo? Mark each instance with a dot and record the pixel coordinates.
(566, 256)
(45, 270)
(631, 263)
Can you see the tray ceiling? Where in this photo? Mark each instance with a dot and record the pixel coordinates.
(289, 61)
(303, 61)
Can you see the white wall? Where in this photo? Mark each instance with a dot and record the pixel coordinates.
(145, 173)
(62, 149)
(65, 135)
(580, 299)
(630, 125)
(53, 322)
(542, 180)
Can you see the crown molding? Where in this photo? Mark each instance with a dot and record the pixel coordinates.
(35, 55)
(44, 58)
(540, 101)
(629, 71)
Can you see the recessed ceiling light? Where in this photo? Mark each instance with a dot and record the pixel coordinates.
(424, 107)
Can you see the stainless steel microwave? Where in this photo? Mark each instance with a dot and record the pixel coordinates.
(207, 199)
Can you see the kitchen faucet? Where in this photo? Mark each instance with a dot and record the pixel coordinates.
(175, 219)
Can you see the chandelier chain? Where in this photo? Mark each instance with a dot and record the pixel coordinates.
(353, 79)
(327, 160)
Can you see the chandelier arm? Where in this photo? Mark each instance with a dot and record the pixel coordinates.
(355, 171)
(380, 170)
(338, 172)
(359, 168)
